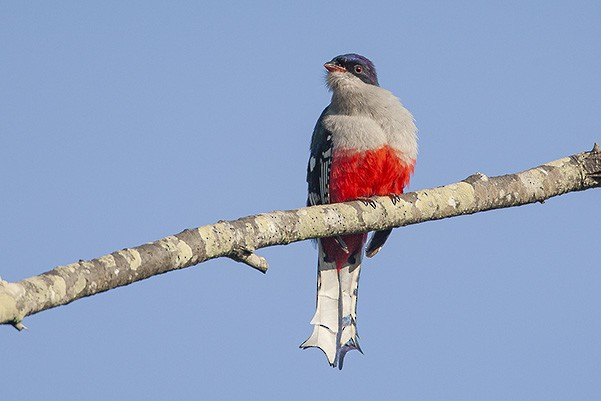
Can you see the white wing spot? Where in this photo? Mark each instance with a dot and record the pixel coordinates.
(312, 163)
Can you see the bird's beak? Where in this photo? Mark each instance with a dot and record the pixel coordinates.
(333, 67)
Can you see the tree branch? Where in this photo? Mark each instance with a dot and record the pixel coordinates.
(240, 238)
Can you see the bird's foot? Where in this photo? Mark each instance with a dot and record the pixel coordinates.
(367, 202)
(394, 198)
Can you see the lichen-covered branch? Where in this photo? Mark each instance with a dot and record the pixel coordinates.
(239, 239)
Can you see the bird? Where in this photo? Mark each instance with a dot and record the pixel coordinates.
(364, 144)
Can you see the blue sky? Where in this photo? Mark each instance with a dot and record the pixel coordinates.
(124, 122)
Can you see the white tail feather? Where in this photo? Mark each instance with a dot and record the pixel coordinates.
(335, 327)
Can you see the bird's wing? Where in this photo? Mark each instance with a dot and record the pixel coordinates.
(320, 161)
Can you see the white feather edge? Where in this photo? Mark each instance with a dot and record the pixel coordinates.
(334, 322)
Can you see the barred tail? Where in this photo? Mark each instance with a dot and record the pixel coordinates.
(335, 327)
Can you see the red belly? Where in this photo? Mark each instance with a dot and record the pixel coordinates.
(358, 175)
(375, 172)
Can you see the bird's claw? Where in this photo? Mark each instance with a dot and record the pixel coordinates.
(368, 202)
(394, 198)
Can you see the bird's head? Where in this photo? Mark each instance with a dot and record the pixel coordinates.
(355, 65)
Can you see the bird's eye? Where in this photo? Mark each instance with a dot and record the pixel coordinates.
(358, 69)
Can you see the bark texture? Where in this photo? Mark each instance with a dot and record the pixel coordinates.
(240, 238)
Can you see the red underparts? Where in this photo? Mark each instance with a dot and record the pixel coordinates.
(361, 175)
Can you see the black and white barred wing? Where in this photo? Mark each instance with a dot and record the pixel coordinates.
(320, 162)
